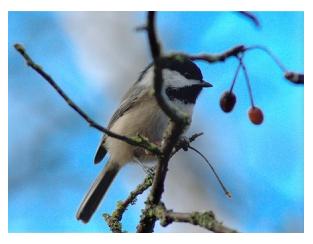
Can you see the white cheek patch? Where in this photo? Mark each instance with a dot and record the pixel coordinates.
(175, 79)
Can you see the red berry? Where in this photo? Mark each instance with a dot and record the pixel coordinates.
(256, 115)
(227, 101)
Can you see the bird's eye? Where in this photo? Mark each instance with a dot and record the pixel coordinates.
(187, 75)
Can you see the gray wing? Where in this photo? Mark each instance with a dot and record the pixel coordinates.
(129, 99)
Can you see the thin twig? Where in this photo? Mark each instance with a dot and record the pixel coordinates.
(227, 193)
(184, 143)
(269, 53)
(221, 57)
(135, 141)
(295, 77)
(251, 17)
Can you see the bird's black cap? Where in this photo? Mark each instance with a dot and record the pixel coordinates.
(183, 65)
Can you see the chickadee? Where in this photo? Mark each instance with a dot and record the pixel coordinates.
(139, 114)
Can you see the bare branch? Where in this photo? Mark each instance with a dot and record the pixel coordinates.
(227, 193)
(251, 17)
(149, 27)
(155, 47)
(269, 53)
(295, 77)
(213, 58)
(205, 220)
(135, 141)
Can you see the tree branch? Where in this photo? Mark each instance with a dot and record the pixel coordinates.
(251, 17)
(155, 47)
(114, 220)
(139, 141)
(295, 77)
(205, 220)
(220, 57)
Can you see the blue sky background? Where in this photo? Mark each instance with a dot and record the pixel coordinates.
(51, 149)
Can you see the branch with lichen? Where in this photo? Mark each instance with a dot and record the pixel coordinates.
(114, 220)
(206, 220)
(173, 133)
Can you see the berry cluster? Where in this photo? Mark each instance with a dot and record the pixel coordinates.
(228, 99)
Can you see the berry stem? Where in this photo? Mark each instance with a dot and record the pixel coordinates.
(247, 81)
(269, 53)
(235, 78)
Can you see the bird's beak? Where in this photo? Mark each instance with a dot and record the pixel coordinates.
(205, 84)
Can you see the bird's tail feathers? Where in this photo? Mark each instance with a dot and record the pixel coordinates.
(97, 191)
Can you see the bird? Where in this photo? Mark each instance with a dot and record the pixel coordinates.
(140, 114)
